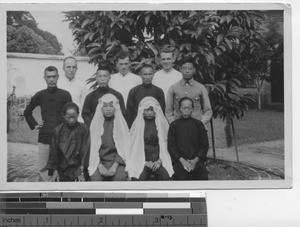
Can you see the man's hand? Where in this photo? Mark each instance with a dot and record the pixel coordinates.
(185, 164)
(156, 165)
(193, 163)
(39, 125)
(54, 177)
(112, 170)
(102, 170)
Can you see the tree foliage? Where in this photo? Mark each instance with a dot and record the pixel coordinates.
(221, 43)
(25, 25)
(25, 40)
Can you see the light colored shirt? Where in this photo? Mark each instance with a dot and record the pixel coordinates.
(164, 80)
(123, 84)
(77, 89)
(194, 90)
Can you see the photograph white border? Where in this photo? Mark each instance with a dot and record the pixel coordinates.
(253, 184)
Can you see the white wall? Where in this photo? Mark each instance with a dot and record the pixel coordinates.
(26, 71)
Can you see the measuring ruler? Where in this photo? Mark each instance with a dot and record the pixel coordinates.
(103, 209)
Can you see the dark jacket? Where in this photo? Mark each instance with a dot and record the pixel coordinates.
(70, 149)
(51, 102)
(91, 102)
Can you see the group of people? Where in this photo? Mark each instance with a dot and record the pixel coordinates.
(150, 126)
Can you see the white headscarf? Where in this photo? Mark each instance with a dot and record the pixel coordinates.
(137, 156)
(120, 132)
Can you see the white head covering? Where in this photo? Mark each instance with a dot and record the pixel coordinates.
(137, 156)
(120, 132)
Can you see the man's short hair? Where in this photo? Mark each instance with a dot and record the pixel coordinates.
(70, 57)
(146, 66)
(50, 69)
(184, 99)
(104, 66)
(188, 59)
(122, 55)
(69, 106)
(167, 49)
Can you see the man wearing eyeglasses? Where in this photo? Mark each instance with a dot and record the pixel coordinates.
(188, 87)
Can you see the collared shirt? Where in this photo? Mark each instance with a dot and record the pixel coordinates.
(194, 90)
(51, 102)
(139, 92)
(91, 102)
(76, 88)
(123, 84)
(164, 79)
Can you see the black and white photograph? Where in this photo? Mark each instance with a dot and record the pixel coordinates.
(178, 96)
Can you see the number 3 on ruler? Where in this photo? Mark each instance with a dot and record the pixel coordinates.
(156, 220)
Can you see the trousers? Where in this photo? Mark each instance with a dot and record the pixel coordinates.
(199, 173)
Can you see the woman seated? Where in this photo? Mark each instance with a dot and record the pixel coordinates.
(69, 151)
(149, 158)
(109, 141)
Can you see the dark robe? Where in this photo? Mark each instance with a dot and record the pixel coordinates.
(91, 102)
(108, 152)
(187, 138)
(70, 149)
(139, 92)
(151, 141)
(51, 102)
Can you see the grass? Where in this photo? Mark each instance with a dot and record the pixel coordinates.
(19, 129)
(222, 170)
(256, 126)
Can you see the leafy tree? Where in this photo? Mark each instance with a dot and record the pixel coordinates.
(266, 50)
(25, 40)
(19, 19)
(219, 41)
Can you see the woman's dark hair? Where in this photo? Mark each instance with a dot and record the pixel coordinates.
(184, 99)
(68, 106)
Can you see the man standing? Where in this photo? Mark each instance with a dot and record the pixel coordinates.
(72, 84)
(139, 92)
(167, 76)
(188, 87)
(124, 80)
(91, 100)
(51, 102)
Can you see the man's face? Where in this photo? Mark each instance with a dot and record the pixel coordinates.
(149, 113)
(186, 109)
(166, 60)
(70, 68)
(51, 78)
(71, 117)
(147, 75)
(108, 109)
(123, 65)
(187, 70)
(102, 78)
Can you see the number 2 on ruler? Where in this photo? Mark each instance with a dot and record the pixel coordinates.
(100, 221)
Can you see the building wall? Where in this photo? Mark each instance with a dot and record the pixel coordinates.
(26, 71)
